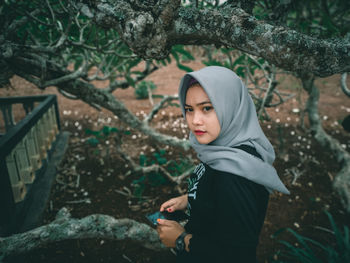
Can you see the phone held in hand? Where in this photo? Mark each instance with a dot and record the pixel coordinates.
(177, 215)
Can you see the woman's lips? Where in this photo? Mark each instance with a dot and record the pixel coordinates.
(199, 132)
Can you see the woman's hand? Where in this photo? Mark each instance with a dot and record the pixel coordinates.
(169, 231)
(177, 203)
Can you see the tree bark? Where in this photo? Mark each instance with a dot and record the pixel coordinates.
(151, 31)
(93, 226)
(341, 183)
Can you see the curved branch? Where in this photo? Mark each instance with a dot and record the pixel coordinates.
(160, 105)
(149, 68)
(90, 94)
(343, 85)
(93, 226)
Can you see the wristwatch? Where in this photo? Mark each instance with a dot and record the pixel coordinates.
(180, 242)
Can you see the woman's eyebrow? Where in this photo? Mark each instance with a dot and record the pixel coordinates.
(199, 104)
(204, 102)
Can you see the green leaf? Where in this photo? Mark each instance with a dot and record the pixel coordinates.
(185, 68)
(180, 49)
(161, 160)
(91, 132)
(142, 160)
(93, 141)
(130, 80)
(212, 62)
(239, 60)
(115, 130)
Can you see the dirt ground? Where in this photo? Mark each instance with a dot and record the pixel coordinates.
(306, 169)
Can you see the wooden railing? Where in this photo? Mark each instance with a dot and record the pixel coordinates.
(25, 147)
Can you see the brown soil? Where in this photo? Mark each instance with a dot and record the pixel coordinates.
(102, 173)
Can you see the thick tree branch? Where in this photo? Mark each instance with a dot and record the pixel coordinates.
(150, 37)
(91, 95)
(93, 226)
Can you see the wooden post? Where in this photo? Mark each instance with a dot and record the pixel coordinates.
(51, 126)
(39, 132)
(54, 119)
(23, 162)
(18, 187)
(46, 131)
(33, 149)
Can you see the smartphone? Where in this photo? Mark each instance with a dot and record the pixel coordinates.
(177, 215)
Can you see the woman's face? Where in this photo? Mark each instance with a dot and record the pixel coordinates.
(200, 115)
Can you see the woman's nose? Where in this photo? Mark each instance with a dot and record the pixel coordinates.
(197, 118)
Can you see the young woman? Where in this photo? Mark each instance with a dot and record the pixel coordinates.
(228, 192)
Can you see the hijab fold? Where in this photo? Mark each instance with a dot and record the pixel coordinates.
(239, 125)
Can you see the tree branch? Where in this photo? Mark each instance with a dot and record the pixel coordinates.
(93, 226)
(91, 95)
(149, 37)
(152, 168)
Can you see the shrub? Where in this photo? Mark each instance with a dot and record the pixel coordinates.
(142, 89)
(337, 250)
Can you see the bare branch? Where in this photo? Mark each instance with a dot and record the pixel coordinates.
(343, 85)
(267, 94)
(80, 72)
(149, 68)
(166, 99)
(67, 95)
(152, 168)
(51, 11)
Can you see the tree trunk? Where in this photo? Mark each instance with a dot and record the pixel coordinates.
(341, 183)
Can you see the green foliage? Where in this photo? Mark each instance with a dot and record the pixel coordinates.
(325, 19)
(230, 58)
(97, 137)
(155, 179)
(180, 54)
(142, 89)
(336, 250)
(98, 49)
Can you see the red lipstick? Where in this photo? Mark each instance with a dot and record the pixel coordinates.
(199, 132)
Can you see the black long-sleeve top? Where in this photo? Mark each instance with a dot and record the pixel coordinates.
(226, 215)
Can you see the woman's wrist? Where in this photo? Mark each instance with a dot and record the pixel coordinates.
(187, 242)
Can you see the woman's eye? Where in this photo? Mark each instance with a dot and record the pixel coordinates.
(188, 109)
(207, 108)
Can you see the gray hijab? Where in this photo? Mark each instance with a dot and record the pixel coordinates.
(239, 125)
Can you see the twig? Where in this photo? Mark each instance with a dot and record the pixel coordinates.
(343, 85)
(78, 181)
(86, 200)
(160, 105)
